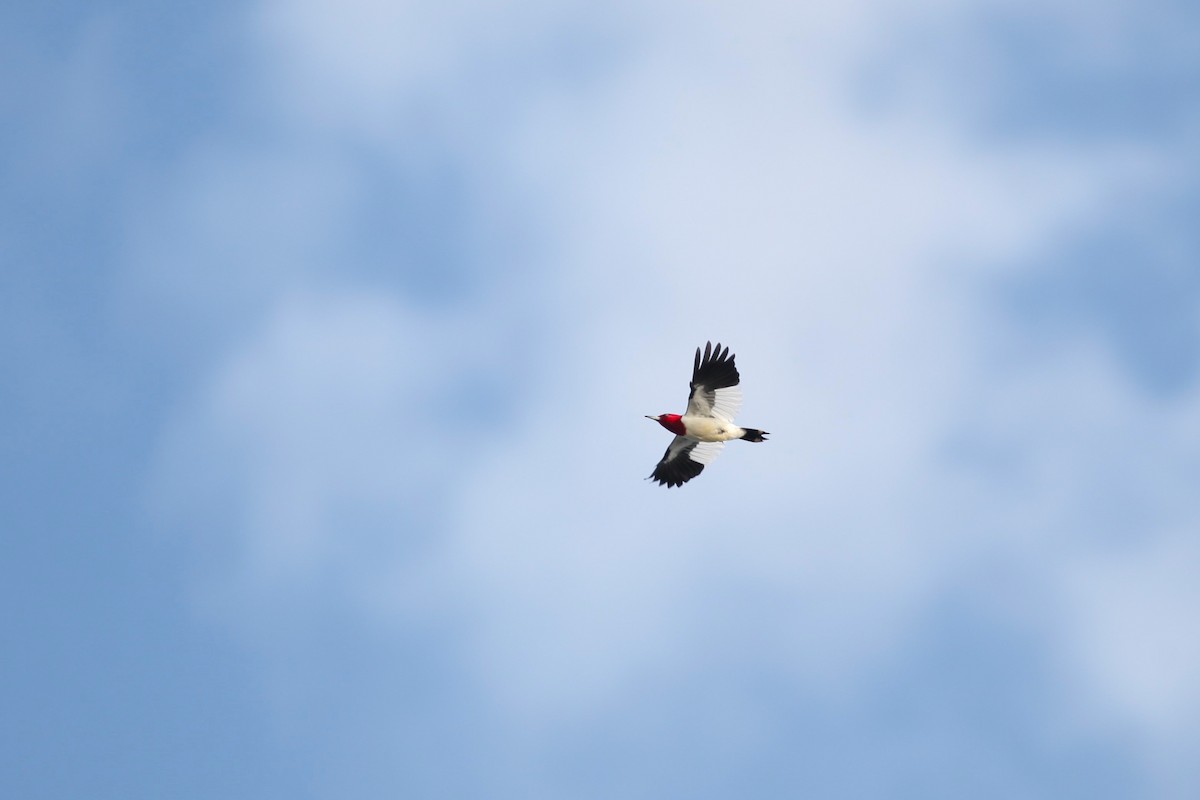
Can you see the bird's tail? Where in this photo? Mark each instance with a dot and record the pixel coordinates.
(754, 435)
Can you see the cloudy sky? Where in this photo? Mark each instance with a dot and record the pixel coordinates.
(328, 329)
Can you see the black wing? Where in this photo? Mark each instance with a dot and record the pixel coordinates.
(685, 459)
(714, 378)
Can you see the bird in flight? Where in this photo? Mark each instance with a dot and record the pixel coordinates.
(702, 431)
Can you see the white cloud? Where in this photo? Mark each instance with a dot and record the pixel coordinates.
(319, 453)
(1132, 612)
(835, 258)
(1129, 632)
(716, 183)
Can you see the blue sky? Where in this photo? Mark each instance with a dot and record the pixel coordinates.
(328, 329)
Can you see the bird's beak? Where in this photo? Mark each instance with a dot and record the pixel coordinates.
(653, 418)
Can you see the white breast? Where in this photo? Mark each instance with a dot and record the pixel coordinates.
(710, 429)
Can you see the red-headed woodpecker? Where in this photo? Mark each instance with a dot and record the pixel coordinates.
(701, 432)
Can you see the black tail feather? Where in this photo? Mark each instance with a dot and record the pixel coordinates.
(754, 435)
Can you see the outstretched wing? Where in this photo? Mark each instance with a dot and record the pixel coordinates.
(685, 459)
(714, 388)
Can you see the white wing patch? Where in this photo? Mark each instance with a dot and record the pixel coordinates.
(698, 406)
(727, 403)
(676, 448)
(706, 452)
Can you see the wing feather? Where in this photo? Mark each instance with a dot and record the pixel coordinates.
(685, 459)
(714, 388)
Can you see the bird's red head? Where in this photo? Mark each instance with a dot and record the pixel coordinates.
(671, 422)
